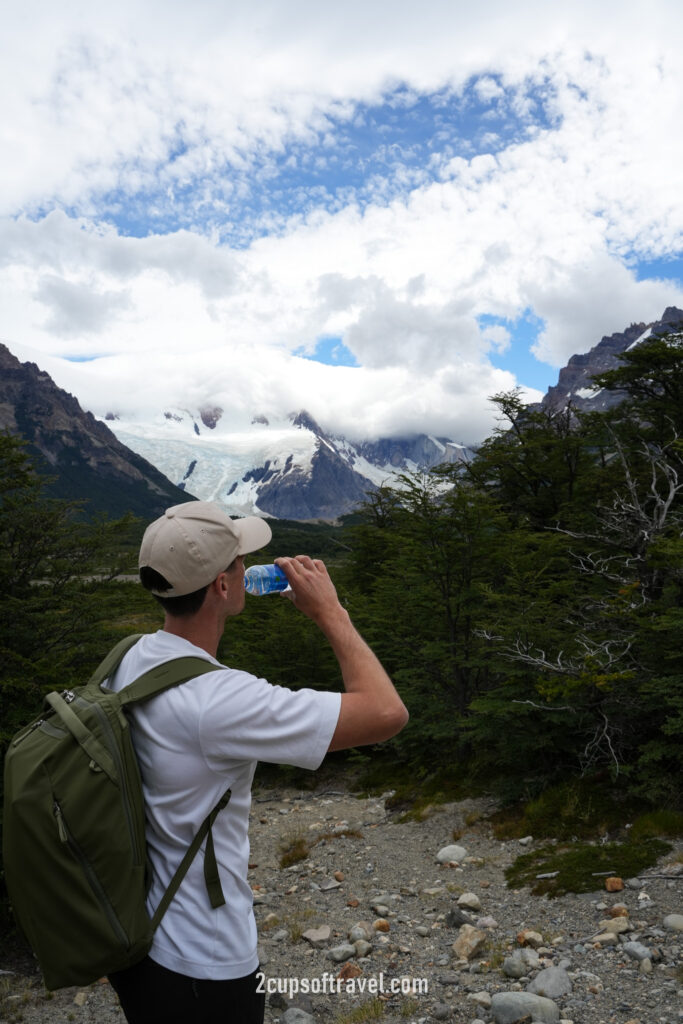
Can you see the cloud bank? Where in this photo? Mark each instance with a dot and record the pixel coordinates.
(196, 196)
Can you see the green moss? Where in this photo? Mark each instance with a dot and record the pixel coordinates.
(658, 823)
(581, 867)
(414, 796)
(583, 809)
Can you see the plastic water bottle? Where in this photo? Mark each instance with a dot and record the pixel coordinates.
(264, 579)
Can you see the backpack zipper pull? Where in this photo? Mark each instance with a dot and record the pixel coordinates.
(68, 696)
(61, 827)
(35, 725)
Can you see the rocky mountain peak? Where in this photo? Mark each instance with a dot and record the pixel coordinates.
(575, 379)
(82, 456)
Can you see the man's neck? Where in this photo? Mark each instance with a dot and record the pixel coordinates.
(200, 632)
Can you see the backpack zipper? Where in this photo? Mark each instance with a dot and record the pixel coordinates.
(34, 725)
(113, 748)
(100, 895)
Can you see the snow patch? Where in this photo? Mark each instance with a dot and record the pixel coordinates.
(643, 336)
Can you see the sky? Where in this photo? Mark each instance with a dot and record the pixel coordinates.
(382, 212)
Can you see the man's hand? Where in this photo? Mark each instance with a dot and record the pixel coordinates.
(371, 709)
(313, 592)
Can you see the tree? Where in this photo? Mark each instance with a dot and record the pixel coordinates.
(51, 566)
(438, 545)
(536, 464)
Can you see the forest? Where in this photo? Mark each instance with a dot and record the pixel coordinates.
(528, 605)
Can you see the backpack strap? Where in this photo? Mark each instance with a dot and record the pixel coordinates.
(83, 736)
(150, 684)
(164, 677)
(112, 660)
(213, 883)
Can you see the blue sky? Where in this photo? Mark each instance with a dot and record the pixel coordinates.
(372, 151)
(381, 214)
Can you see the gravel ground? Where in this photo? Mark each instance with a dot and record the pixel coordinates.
(381, 863)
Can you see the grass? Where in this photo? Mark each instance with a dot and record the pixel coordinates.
(373, 1009)
(579, 809)
(15, 994)
(299, 921)
(412, 788)
(297, 846)
(294, 847)
(409, 1007)
(581, 867)
(655, 824)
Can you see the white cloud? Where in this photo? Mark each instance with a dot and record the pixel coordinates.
(178, 114)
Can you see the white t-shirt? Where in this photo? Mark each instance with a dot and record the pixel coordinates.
(193, 743)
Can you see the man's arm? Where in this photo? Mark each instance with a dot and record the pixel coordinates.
(371, 709)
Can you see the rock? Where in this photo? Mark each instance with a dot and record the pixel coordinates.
(470, 901)
(381, 925)
(277, 1001)
(674, 922)
(449, 978)
(616, 925)
(362, 947)
(442, 1011)
(512, 1007)
(646, 966)
(618, 910)
(318, 937)
(482, 999)
(551, 982)
(327, 884)
(338, 876)
(606, 939)
(451, 853)
(422, 930)
(526, 840)
(341, 953)
(520, 963)
(527, 937)
(469, 942)
(513, 967)
(456, 917)
(296, 1016)
(350, 970)
(486, 922)
(360, 930)
(636, 950)
(614, 884)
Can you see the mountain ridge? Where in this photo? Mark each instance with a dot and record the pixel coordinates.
(82, 456)
(574, 380)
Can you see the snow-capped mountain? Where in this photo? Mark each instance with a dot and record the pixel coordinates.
(574, 382)
(287, 468)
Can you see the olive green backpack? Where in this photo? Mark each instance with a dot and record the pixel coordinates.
(74, 828)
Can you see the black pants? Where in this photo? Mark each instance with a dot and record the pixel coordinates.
(151, 994)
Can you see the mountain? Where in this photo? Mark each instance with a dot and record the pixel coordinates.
(288, 468)
(574, 382)
(80, 453)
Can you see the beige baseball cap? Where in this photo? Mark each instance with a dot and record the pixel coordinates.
(192, 543)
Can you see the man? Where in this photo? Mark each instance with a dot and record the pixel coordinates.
(197, 740)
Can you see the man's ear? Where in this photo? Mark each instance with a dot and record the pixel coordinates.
(221, 584)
